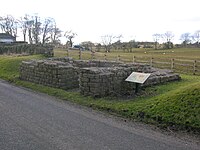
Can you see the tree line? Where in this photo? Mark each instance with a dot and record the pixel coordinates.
(166, 40)
(35, 29)
(160, 41)
(186, 39)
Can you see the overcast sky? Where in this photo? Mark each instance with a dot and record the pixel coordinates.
(134, 19)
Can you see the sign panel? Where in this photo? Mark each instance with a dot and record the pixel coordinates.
(138, 77)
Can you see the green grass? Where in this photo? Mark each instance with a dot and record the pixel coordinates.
(174, 104)
(9, 65)
(183, 58)
(180, 107)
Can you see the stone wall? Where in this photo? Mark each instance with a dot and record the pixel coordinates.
(50, 73)
(94, 78)
(99, 82)
(57, 72)
(159, 76)
(29, 49)
(87, 63)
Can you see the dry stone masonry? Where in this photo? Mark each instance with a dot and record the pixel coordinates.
(50, 73)
(28, 49)
(93, 78)
(100, 82)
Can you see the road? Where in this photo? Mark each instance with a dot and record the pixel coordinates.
(35, 121)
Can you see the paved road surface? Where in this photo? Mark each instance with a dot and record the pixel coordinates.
(34, 121)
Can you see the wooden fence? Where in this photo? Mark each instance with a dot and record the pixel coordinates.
(178, 65)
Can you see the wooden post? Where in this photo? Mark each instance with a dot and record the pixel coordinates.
(134, 59)
(80, 54)
(151, 62)
(172, 63)
(194, 67)
(105, 57)
(118, 58)
(92, 55)
(137, 88)
(67, 52)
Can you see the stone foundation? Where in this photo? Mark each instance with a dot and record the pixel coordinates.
(50, 73)
(93, 78)
(99, 82)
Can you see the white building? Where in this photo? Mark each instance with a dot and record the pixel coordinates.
(7, 38)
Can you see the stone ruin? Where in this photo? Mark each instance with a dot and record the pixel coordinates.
(93, 77)
(26, 49)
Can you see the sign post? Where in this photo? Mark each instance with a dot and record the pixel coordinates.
(136, 87)
(138, 78)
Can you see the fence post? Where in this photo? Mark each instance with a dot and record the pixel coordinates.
(105, 57)
(134, 59)
(151, 62)
(92, 55)
(67, 52)
(194, 67)
(172, 63)
(118, 58)
(80, 54)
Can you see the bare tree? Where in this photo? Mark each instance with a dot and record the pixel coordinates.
(107, 42)
(128, 45)
(36, 30)
(118, 37)
(9, 25)
(30, 24)
(24, 25)
(88, 45)
(98, 47)
(117, 44)
(55, 33)
(196, 37)
(168, 37)
(131, 44)
(46, 29)
(27, 25)
(185, 38)
(1, 26)
(15, 28)
(70, 35)
(156, 38)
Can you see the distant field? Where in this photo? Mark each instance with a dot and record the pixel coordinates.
(179, 53)
(183, 60)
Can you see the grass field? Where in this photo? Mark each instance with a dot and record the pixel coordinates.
(179, 53)
(9, 66)
(184, 60)
(175, 105)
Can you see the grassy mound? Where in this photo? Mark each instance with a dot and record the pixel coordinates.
(180, 107)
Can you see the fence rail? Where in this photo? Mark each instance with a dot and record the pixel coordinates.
(178, 65)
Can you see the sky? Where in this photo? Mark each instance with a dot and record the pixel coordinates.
(134, 19)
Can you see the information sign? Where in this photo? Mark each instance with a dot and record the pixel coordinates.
(138, 77)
